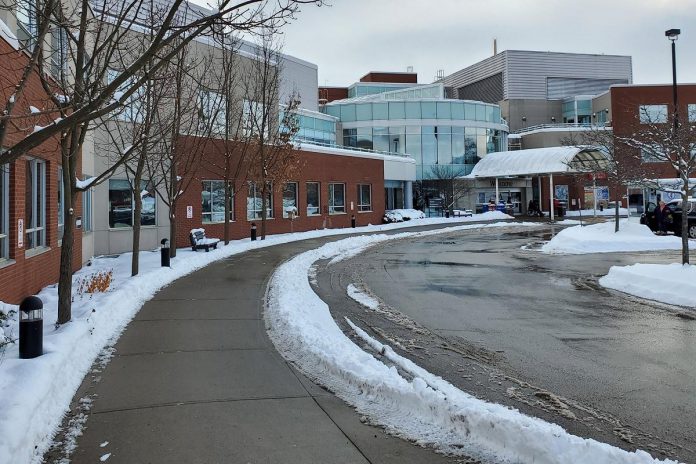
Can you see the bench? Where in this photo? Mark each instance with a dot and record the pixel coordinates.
(200, 242)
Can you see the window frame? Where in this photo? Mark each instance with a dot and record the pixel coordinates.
(38, 205)
(144, 186)
(4, 212)
(257, 194)
(650, 157)
(212, 212)
(318, 206)
(131, 110)
(644, 113)
(362, 206)
(286, 215)
(87, 209)
(691, 112)
(208, 99)
(333, 208)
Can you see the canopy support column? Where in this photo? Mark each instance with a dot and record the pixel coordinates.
(497, 193)
(541, 202)
(551, 195)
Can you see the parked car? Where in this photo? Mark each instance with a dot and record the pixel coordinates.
(648, 217)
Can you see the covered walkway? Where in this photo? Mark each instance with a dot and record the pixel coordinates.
(539, 162)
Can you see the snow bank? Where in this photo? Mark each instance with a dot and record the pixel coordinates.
(668, 283)
(27, 426)
(589, 212)
(601, 238)
(423, 407)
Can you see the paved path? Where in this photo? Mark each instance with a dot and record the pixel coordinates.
(195, 379)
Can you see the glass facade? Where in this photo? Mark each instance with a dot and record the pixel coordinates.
(426, 109)
(578, 111)
(361, 90)
(315, 129)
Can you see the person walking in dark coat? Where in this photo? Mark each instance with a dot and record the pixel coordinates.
(663, 217)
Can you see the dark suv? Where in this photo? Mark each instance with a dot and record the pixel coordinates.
(648, 217)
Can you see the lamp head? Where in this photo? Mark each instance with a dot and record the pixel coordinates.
(672, 34)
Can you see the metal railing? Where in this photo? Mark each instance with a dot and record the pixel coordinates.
(567, 125)
(301, 141)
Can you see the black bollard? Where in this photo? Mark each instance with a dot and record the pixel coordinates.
(164, 253)
(30, 327)
(447, 213)
(253, 232)
(352, 221)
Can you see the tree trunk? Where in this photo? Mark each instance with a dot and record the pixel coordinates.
(66, 257)
(228, 195)
(172, 231)
(685, 223)
(616, 215)
(137, 213)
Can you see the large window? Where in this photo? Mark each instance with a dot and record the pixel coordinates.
(132, 107)
(87, 210)
(255, 204)
(61, 204)
(122, 205)
(651, 154)
(290, 199)
(364, 197)
(253, 118)
(691, 112)
(313, 204)
(652, 114)
(213, 109)
(213, 201)
(337, 198)
(26, 18)
(4, 211)
(59, 52)
(35, 204)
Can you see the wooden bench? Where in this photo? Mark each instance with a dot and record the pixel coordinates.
(200, 242)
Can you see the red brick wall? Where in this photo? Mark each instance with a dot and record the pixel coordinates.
(23, 276)
(329, 94)
(316, 167)
(390, 77)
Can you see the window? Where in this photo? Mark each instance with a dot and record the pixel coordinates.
(255, 204)
(59, 52)
(651, 154)
(121, 204)
(213, 201)
(87, 210)
(61, 205)
(26, 18)
(691, 112)
(35, 204)
(213, 109)
(4, 211)
(364, 197)
(337, 198)
(313, 199)
(131, 110)
(290, 199)
(652, 114)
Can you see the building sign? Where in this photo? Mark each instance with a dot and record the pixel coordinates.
(189, 212)
(20, 233)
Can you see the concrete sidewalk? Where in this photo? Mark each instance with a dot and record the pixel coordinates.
(195, 379)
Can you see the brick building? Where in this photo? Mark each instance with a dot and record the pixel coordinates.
(30, 192)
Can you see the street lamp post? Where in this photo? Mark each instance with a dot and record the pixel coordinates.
(673, 35)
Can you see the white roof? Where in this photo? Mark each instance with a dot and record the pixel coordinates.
(553, 160)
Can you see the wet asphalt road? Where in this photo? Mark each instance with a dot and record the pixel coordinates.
(538, 333)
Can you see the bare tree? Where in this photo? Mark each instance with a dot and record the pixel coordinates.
(268, 129)
(92, 36)
(664, 138)
(445, 181)
(620, 165)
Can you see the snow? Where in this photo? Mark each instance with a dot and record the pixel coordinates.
(590, 213)
(418, 405)
(528, 162)
(85, 184)
(408, 214)
(7, 34)
(668, 283)
(27, 427)
(34, 110)
(361, 297)
(600, 238)
(61, 98)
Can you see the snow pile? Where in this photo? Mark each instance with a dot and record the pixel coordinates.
(590, 212)
(26, 427)
(361, 297)
(422, 407)
(408, 214)
(668, 283)
(601, 238)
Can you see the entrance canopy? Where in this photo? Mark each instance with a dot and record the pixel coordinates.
(540, 161)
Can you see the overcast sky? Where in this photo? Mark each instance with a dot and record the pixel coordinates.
(352, 37)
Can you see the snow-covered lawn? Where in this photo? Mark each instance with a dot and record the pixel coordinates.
(668, 283)
(416, 404)
(601, 238)
(590, 213)
(37, 392)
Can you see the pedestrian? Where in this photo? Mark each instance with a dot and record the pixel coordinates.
(663, 218)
